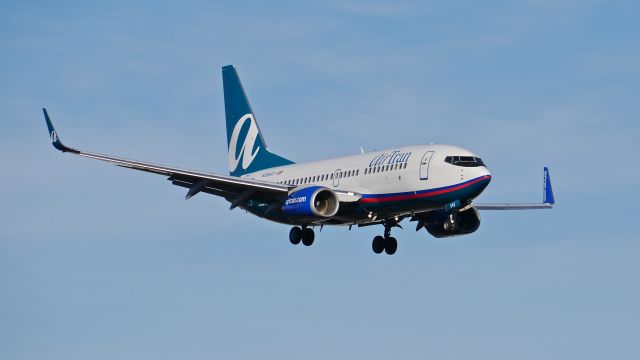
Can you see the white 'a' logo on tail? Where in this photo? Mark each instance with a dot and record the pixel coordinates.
(247, 146)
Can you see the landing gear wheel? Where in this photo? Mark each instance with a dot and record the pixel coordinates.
(295, 235)
(378, 244)
(308, 236)
(390, 246)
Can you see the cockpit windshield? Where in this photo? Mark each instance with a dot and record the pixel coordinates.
(466, 161)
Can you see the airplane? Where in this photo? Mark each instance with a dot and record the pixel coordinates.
(433, 185)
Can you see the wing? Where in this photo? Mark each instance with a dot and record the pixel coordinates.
(234, 189)
(547, 199)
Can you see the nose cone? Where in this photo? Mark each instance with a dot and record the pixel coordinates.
(483, 178)
(485, 172)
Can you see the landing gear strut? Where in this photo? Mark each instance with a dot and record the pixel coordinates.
(387, 243)
(304, 234)
(450, 223)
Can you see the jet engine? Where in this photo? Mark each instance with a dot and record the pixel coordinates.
(313, 202)
(441, 224)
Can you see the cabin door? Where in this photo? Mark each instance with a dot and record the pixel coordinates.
(424, 165)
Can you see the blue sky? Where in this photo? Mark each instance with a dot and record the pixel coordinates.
(101, 262)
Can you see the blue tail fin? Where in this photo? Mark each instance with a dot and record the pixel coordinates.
(248, 151)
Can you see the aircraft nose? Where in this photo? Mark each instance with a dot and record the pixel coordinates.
(486, 172)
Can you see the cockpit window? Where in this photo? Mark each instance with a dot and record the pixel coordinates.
(466, 161)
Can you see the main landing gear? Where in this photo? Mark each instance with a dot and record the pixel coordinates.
(304, 234)
(387, 243)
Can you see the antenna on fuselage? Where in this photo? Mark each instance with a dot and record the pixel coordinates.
(361, 150)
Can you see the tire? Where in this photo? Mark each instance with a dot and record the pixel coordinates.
(295, 235)
(308, 236)
(390, 246)
(377, 245)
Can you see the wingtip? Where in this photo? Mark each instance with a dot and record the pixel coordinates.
(548, 197)
(55, 139)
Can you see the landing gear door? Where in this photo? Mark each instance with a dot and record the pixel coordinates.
(424, 165)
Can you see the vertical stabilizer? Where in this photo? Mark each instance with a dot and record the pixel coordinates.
(248, 150)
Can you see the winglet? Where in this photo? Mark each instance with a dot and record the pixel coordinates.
(55, 140)
(548, 191)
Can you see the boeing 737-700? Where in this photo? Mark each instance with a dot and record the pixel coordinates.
(432, 185)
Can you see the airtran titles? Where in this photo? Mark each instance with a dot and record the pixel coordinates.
(394, 157)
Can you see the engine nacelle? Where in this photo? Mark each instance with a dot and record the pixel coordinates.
(311, 203)
(465, 222)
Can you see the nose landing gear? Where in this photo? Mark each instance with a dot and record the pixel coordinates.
(450, 222)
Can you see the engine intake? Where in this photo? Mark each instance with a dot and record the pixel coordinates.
(312, 202)
(438, 223)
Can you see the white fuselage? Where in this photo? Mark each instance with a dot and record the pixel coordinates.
(405, 170)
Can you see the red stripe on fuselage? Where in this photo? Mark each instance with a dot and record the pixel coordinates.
(427, 193)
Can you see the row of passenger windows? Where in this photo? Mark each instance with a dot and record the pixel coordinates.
(466, 161)
(381, 168)
(343, 174)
